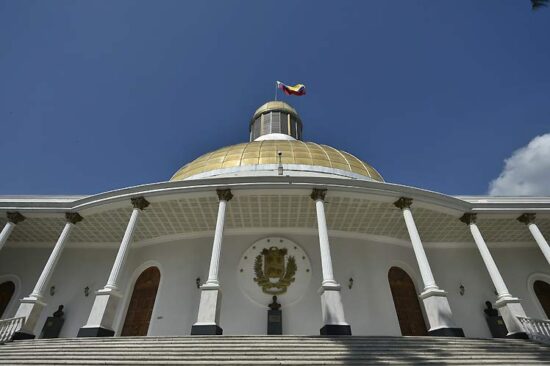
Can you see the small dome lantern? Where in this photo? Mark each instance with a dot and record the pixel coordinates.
(275, 120)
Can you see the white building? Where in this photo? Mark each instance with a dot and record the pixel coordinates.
(345, 251)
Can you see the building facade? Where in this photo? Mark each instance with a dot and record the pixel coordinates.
(344, 251)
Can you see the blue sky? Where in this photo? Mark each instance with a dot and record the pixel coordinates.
(100, 95)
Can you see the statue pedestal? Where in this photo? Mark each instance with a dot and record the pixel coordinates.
(274, 322)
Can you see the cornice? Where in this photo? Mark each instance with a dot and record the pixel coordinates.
(384, 191)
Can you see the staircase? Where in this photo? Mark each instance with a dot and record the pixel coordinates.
(274, 350)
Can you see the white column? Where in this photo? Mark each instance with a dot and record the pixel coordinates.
(31, 306)
(122, 254)
(218, 237)
(101, 318)
(425, 271)
(13, 219)
(510, 307)
(324, 245)
(529, 220)
(210, 302)
(332, 308)
(435, 300)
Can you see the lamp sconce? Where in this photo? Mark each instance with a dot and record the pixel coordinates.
(461, 289)
(86, 291)
(350, 283)
(280, 167)
(52, 290)
(198, 282)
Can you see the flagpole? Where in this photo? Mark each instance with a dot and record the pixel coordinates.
(276, 91)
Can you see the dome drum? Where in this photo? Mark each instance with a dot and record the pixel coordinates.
(275, 118)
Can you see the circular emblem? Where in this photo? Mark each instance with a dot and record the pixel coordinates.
(274, 266)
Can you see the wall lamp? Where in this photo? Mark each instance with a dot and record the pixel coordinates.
(350, 283)
(461, 289)
(198, 282)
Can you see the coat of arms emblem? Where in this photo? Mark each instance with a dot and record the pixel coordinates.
(272, 274)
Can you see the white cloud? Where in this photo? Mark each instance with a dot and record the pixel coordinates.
(526, 172)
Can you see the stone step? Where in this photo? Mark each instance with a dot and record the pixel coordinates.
(274, 350)
(292, 362)
(381, 353)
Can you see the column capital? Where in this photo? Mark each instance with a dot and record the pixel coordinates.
(224, 194)
(73, 217)
(527, 218)
(15, 217)
(318, 194)
(469, 218)
(139, 202)
(403, 202)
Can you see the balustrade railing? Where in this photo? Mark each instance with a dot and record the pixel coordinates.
(536, 329)
(8, 327)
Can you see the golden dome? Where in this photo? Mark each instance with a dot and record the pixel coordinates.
(294, 152)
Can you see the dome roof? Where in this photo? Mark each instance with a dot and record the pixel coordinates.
(263, 155)
(275, 106)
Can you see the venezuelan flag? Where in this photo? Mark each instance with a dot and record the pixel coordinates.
(298, 89)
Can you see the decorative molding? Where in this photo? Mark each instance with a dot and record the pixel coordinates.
(224, 194)
(468, 218)
(73, 217)
(15, 217)
(139, 202)
(403, 202)
(318, 194)
(527, 218)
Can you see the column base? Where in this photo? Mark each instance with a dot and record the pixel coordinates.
(206, 329)
(17, 336)
(209, 312)
(336, 330)
(30, 308)
(95, 332)
(447, 332)
(101, 318)
(439, 314)
(510, 309)
(518, 335)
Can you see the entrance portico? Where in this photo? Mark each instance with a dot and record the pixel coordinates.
(365, 231)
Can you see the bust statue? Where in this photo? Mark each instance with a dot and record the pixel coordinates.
(274, 305)
(59, 312)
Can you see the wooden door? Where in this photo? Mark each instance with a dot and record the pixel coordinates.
(6, 292)
(141, 304)
(406, 303)
(542, 290)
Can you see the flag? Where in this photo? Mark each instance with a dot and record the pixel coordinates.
(298, 89)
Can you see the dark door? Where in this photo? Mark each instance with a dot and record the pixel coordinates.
(142, 302)
(542, 290)
(6, 292)
(406, 303)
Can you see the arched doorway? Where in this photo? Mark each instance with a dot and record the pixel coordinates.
(141, 305)
(6, 292)
(406, 303)
(542, 290)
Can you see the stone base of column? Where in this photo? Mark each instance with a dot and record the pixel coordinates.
(95, 332)
(518, 335)
(446, 332)
(30, 308)
(100, 321)
(336, 330)
(510, 308)
(438, 312)
(333, 311)
(17, 336)
(206, 329)
(208, 318)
